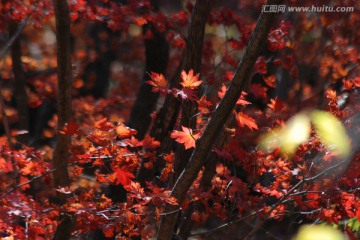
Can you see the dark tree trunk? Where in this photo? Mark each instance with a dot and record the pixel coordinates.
(20, 91)
(189, 108)
(157, 56)
(61, 152)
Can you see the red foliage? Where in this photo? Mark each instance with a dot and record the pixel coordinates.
(309, 55)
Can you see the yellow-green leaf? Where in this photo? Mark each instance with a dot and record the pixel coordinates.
(331, 132)
(296, 132)
(317, 232)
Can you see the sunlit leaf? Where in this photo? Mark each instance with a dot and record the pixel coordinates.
(189, 80)
(185, 136)
(245, 120)
(123, 177)
(158, 82)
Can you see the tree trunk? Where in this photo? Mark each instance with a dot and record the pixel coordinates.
(203, 144)
(20, 90)
(61, 152)
(189, 108)
(157, 57)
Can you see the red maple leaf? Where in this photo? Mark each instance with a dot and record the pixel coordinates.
(270, 81)
(261, 65)
(103, 125)
(150, 143)
(124, 131)
(123, 177)
(240, 101)
(245, 120)
(258, 90)
(158, 82)
(70, 128)
(185, 93)
(276, 105)
(5, 166)
(189, 80)
(185, 136)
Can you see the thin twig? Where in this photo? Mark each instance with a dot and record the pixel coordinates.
(13, 37)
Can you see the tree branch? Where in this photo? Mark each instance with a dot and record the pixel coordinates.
(13, 37)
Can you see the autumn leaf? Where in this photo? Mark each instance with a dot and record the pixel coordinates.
(133, 142)
(185, 93)
(5, 166)
(28, 169)
(270, 81)
(108, 230)
(124, 131)
(203, 105)
(245, 120)
(240, 101)
(188, 80)
(258, 90)
(103, 125)
(185, 136)
(276, 105)
(70, 128)
(261, 65)
(101, 138)
(150, 143)
(139, 21)
(158, 82)
(123, 177)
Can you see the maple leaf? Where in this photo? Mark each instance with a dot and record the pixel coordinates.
(150, 143)
(188, 80)
(123, 177)
(258, 90)
(185, 93)
(133, 142)
(186, 137)
(70, 128)
(276, 105)
(261, 65)
(101, 138)
(103, 125)
(124, 131)
(240, 101)
(28, 169)
(108, 230)
(245, 120)
(158, 82)
(270, 81)
(204, 105)
(5, 166)
(140, 21)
